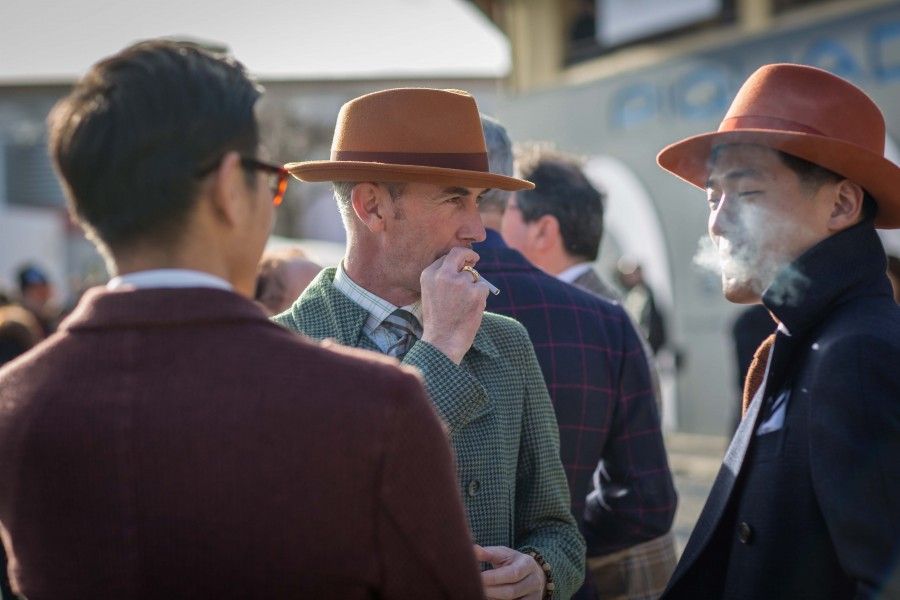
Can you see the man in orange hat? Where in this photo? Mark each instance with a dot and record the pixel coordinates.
(408, 167)
(805, 505)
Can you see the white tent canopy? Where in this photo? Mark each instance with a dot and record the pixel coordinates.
(49, 41)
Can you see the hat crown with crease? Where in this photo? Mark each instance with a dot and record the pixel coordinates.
(808, 113)
(409, 134)
(411, 120)
(806, 100)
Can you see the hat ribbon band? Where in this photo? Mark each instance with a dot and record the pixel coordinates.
(467, 161)
(738, 123)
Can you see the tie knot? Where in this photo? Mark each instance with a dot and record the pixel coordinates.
(405, 328)
(405, 320)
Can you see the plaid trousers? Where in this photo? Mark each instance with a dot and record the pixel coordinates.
(637, 573)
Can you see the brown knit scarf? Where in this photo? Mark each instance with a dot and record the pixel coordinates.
(756, 372)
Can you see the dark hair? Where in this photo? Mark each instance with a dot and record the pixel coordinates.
(132, 136)
(563, 191)
(814, 176)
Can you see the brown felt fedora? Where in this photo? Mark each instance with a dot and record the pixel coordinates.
(409, 135)
(808, 113)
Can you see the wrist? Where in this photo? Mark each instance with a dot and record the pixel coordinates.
(446, 345)
(549, 586)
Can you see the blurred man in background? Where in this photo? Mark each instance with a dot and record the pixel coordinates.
(559, 227)
(640, 302)
(600, 385)
(282, 276)
(36, 296)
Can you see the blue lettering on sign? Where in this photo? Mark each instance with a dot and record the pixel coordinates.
(634, 105)
(703, 93)
(886, 65)
(832, 56)
(706, 92)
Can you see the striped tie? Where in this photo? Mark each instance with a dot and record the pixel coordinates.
(405, 329)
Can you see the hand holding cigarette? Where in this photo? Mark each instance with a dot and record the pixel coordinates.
(476, 277)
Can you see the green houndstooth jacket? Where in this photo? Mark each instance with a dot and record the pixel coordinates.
(501, 423)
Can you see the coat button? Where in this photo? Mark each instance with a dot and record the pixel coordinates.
(473, 487)
(745, 533)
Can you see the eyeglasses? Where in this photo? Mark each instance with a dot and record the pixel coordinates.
(277, 176)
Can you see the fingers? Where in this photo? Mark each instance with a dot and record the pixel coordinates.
(528, 588)
(507, 574)
(459, 257)
(496, 555)
(482, 555)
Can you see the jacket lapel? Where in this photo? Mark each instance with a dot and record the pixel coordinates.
(324, 312)
(782, 355)
(721, 490)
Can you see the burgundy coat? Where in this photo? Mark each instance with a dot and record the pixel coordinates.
(175, 443)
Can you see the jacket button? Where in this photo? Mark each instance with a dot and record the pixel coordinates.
(745, 533)
(473, 487)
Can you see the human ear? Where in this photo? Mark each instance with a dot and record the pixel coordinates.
(546, 232)
(228, 190)
(367, 200)
(846, 208)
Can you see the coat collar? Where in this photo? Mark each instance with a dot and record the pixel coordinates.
(324, 312)
(844, 266)
(101, 308)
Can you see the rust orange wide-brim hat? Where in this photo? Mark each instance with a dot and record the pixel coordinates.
(409, 135)
(808, 113)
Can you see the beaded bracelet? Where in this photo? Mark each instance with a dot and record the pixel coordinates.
(548, 574)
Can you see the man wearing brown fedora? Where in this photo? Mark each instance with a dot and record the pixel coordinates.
(806, 502)
(408, 167)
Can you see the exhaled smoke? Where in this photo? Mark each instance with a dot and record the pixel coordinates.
(707, 256)
(789, 287)
(750, 252)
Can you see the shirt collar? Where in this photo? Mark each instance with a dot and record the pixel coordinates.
(377, 307)
(575, 271)
(168, 278)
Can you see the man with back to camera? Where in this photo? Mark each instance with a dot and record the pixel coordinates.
(805, 505)
(171, 442)
(599, 381)
(408, 167)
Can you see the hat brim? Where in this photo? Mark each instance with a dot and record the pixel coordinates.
(331, 170)
(688, 160)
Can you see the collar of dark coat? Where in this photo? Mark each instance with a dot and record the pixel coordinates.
(844, 266)
(322, 311)
(101, 308)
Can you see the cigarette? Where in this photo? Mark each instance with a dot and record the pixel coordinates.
(493, 288)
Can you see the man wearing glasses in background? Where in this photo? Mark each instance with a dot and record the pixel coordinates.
(169, 441)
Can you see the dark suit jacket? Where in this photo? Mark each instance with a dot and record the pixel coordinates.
(176, 444)
(597, 375)
(812, 510)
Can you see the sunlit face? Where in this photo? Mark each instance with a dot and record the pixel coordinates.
(761, 218)
(425, 223)
(517, 233)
